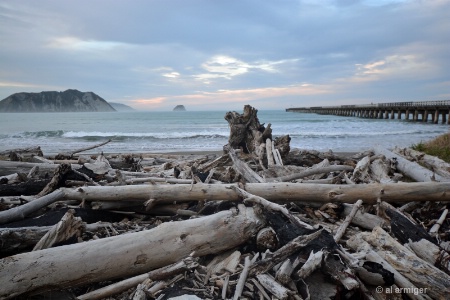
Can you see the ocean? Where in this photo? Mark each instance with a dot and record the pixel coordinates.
(157, 132)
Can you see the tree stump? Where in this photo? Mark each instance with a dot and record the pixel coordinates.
(248, 134)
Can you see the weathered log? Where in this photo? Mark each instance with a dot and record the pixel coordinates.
(358, 243)
(363, 220)
(276, 289)
(158, 274)
(242, 168)
(431, 162)
(411, 169)
(431, 253)
(340, 232)
(424, 275)
(125, 255)
(277, 192)
(309, 172)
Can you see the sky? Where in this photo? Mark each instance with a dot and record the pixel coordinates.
(222, 55)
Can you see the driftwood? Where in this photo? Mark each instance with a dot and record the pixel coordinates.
(126, 255)
(172, 210)
(411, 169)
(24, 154)
(69, 155)
(425, 275)
(435, 164)
(278, 192)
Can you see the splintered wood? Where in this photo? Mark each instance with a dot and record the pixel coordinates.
(258, 221)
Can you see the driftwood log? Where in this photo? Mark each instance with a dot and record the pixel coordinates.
(409, 168)
(277, 192)
(125, 255)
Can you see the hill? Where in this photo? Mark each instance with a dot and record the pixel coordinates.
(121, 107)
(67, 101)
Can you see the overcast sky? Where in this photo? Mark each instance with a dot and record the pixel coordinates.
(217, 54)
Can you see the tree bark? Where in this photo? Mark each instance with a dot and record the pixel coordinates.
(125, 255)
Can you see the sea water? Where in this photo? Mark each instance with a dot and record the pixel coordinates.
(139, 131)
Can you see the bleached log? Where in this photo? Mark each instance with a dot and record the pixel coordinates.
(271, 206)
(309, 172)
(411, 169)
(242, 279)
(431, 253)
(40, 159)
(431, 162)
(125, 255)
(439, 222)
(269, 153)
(276, 192)
(341, 230)
(270, 284)
(276, 155)
(323, 164)
(358, 243)
(243, 169)
(313, 263)
(185, 264)
(362, 219)
(404, 260)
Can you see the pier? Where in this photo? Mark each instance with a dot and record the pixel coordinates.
(421, 111)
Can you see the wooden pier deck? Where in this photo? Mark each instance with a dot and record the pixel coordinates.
(414, 111)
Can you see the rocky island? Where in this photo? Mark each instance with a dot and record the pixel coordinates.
(52, 101)
(179, 108)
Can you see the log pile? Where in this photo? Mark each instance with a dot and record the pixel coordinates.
(258, 221)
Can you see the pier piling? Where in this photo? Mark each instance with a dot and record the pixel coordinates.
(439, 111)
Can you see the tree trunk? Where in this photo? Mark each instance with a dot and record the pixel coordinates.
(278, 192)
(125, 255)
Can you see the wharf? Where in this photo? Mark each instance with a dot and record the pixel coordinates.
(414, 111)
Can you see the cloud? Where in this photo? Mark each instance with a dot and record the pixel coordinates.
(211, 51)
(227, 67)
(77, 44)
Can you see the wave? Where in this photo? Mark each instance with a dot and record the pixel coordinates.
(118, 136)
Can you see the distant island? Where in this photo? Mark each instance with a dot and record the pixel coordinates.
(67, 101)
(121, 107)
(179, 108)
